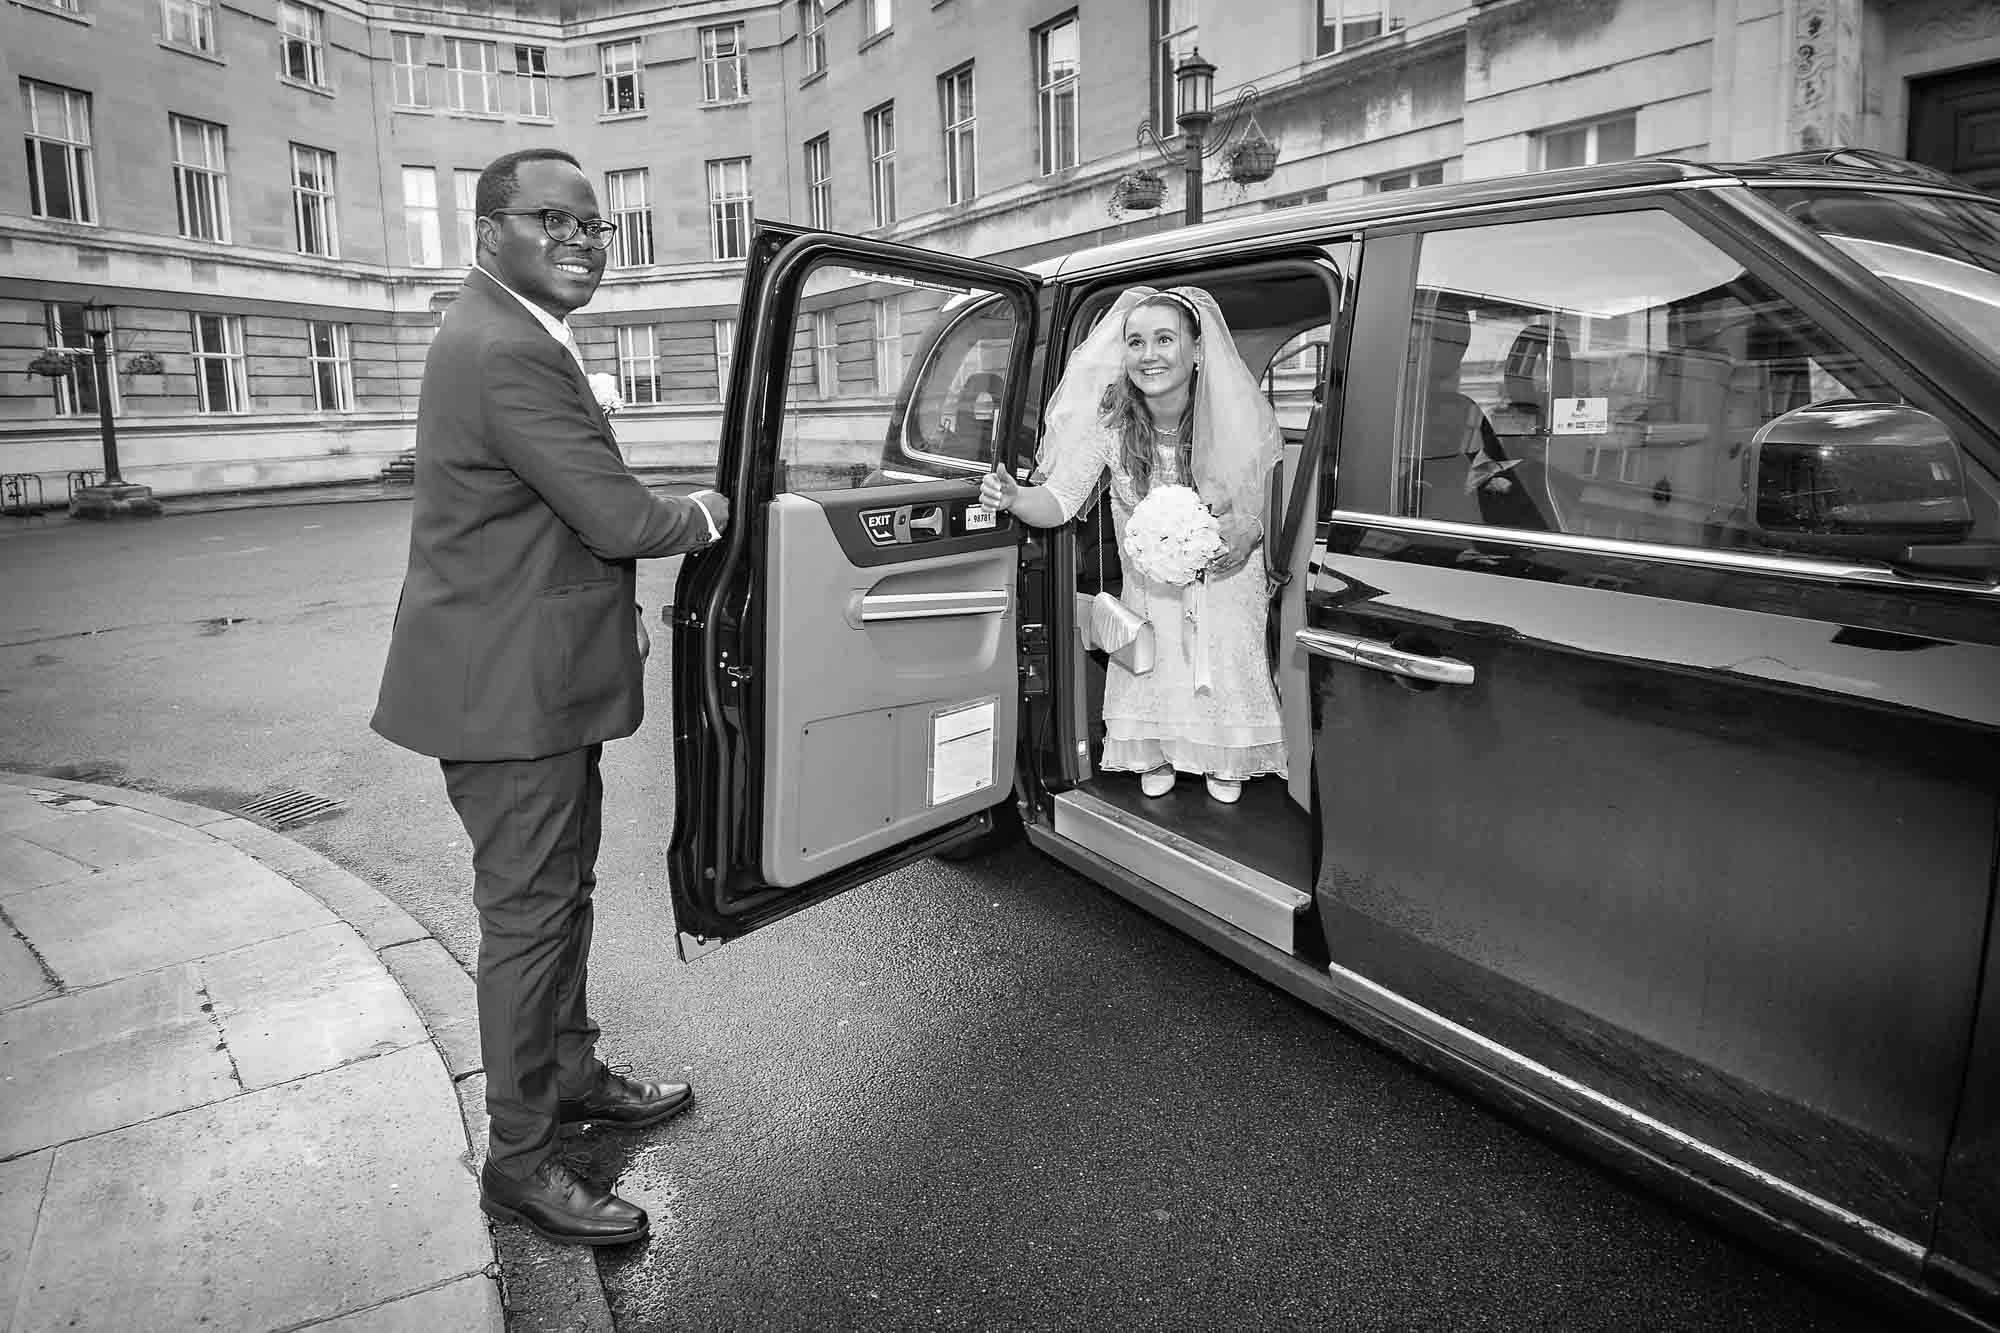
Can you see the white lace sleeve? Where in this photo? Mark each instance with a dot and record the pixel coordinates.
(1074, 466)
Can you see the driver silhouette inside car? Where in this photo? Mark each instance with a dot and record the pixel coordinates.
(1464, 475)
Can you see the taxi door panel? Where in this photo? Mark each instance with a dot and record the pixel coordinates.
(895, 714)
(845, 667)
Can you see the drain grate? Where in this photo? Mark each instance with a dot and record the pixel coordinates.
(283, 809)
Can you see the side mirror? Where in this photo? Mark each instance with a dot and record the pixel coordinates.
(1851, 478)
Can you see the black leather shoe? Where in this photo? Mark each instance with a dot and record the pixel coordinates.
(624, 1104)
(562, 1206)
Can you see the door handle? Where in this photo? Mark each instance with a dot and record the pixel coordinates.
(1379, 656)
(870, 607)
(919, 523)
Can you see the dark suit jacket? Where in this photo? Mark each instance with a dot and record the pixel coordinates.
(515, 637)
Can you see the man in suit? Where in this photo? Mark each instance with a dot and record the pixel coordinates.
(517, 652)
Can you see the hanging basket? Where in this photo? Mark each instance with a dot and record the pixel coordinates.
(1141, 189)
(144, 363)
(54, 362)
(1252, 160)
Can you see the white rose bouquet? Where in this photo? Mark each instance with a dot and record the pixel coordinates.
(604, 388)
(1172, 537)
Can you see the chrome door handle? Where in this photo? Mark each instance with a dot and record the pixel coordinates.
(1379, 656)
(867, 608)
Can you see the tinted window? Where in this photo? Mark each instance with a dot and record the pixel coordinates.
(893, 378)
(1604, 375)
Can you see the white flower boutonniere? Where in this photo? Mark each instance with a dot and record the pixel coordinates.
(605, 389)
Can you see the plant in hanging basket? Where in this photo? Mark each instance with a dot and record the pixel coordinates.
(1252, 160)
(54, 362)
(144, 363)
(1139, 189)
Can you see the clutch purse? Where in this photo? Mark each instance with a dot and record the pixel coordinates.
(1110, 626)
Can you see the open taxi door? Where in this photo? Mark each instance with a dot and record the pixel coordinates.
(844, 659)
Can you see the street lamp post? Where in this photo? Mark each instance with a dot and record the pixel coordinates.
(1194, 90)
(115, 497)
(1251, 158)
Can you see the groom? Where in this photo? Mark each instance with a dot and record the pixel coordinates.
(517, 652)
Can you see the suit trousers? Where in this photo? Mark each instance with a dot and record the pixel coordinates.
(534, 826)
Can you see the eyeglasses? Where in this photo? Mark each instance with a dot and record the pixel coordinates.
(562, 226)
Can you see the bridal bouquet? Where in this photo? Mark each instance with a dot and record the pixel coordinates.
(1171, 536)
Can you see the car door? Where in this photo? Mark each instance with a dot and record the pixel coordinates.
(845, 674)
(1683, 821)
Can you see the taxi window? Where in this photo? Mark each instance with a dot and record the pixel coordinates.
(893, 378)
(1604, 375)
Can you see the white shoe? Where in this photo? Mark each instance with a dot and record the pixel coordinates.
(1225, 790)
(1158, 781)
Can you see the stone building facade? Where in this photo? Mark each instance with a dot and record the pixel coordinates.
(274, 194)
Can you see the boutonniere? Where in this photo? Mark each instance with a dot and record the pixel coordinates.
(604, 388)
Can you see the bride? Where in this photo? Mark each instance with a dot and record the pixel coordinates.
(1158, 396)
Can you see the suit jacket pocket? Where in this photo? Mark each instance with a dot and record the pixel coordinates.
(579, 654)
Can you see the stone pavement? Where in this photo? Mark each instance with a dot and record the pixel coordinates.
(220, 1104)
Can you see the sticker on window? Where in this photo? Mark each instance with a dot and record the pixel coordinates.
(1580, 416)
(962, 746)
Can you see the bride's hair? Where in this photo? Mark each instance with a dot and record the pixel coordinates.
(1123, 410)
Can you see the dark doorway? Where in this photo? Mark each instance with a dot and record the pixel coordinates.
(1955, 124)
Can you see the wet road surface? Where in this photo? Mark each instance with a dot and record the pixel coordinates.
(982, 1095)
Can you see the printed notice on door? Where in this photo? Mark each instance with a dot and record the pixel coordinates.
(962, 749)
(1580, 416)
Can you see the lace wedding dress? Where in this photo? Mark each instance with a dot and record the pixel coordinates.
(1233, 731)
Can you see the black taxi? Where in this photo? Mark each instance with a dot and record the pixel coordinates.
(1652, 797)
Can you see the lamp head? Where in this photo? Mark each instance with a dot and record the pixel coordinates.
(1194, 86)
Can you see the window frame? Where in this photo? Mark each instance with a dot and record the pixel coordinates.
(1592, 129)
(338, 362)
(1169, 44)
(819, 188)
(826, 352)
(293, 15)
(612, 72)
(886, 313)
(532, 97)
(724, 334)
(465, 213)
(415, 212)
(79, 180)
(629, 358)
(308, 199)
(411, 87)
(70, 389)
(1051, 91)
(231, 358)
(459, 77)
(960, 121)
(878, 18)
(632, 246)
(879, 133)
(1393, 181)
(812, 30)
(729, 213)
(199, 18)
(715, 61)
(200, 187)
(1333, 17)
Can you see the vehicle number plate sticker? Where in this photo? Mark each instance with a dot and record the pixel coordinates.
(978, 518)
(1580, 416)
(962, 748)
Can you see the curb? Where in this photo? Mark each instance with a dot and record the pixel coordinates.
(436, 986)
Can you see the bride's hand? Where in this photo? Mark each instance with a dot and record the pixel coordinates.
(997, 490)
(1240, 532)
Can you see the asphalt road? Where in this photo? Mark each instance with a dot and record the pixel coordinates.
(970, 1096)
